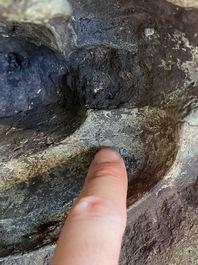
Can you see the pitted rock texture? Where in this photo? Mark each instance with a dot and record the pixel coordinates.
(122, 58)
(118, 61)
(120, 74)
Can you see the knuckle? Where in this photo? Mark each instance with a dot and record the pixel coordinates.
(96, 208)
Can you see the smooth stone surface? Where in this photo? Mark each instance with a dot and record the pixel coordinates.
(185, 3)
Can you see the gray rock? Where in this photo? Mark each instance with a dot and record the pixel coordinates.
(119, 74)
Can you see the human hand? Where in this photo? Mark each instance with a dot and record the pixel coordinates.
(93, 231)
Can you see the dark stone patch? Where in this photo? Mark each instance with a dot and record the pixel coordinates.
(30, 76)
(106, 77)
(116, 61)
(29, 132)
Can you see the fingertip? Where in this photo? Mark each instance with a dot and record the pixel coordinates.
(107, 177)
(106, 155)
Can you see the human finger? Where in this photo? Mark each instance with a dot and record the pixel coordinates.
(93, 231)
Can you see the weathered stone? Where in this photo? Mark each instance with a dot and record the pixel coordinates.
(162, 228)
(121, 74)
(32, 70)
(34, 20)
(185, 3)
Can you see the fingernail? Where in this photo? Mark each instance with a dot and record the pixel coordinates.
(106, 155)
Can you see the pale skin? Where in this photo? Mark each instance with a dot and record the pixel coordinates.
(93, 231)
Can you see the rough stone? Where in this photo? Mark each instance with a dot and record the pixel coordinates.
(121, 74)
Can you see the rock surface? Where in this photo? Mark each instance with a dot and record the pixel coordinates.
(121, 74)
(35, 20)
(185, 3)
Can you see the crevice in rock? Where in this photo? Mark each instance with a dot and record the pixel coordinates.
(36, 108)
(41, 203)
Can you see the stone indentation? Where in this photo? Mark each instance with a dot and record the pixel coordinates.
(120, 74)
(146, 138)
(36, 108)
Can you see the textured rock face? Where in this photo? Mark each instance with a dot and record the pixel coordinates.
(111, 73)
(31, 70)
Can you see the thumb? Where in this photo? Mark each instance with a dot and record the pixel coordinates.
(95, 225)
